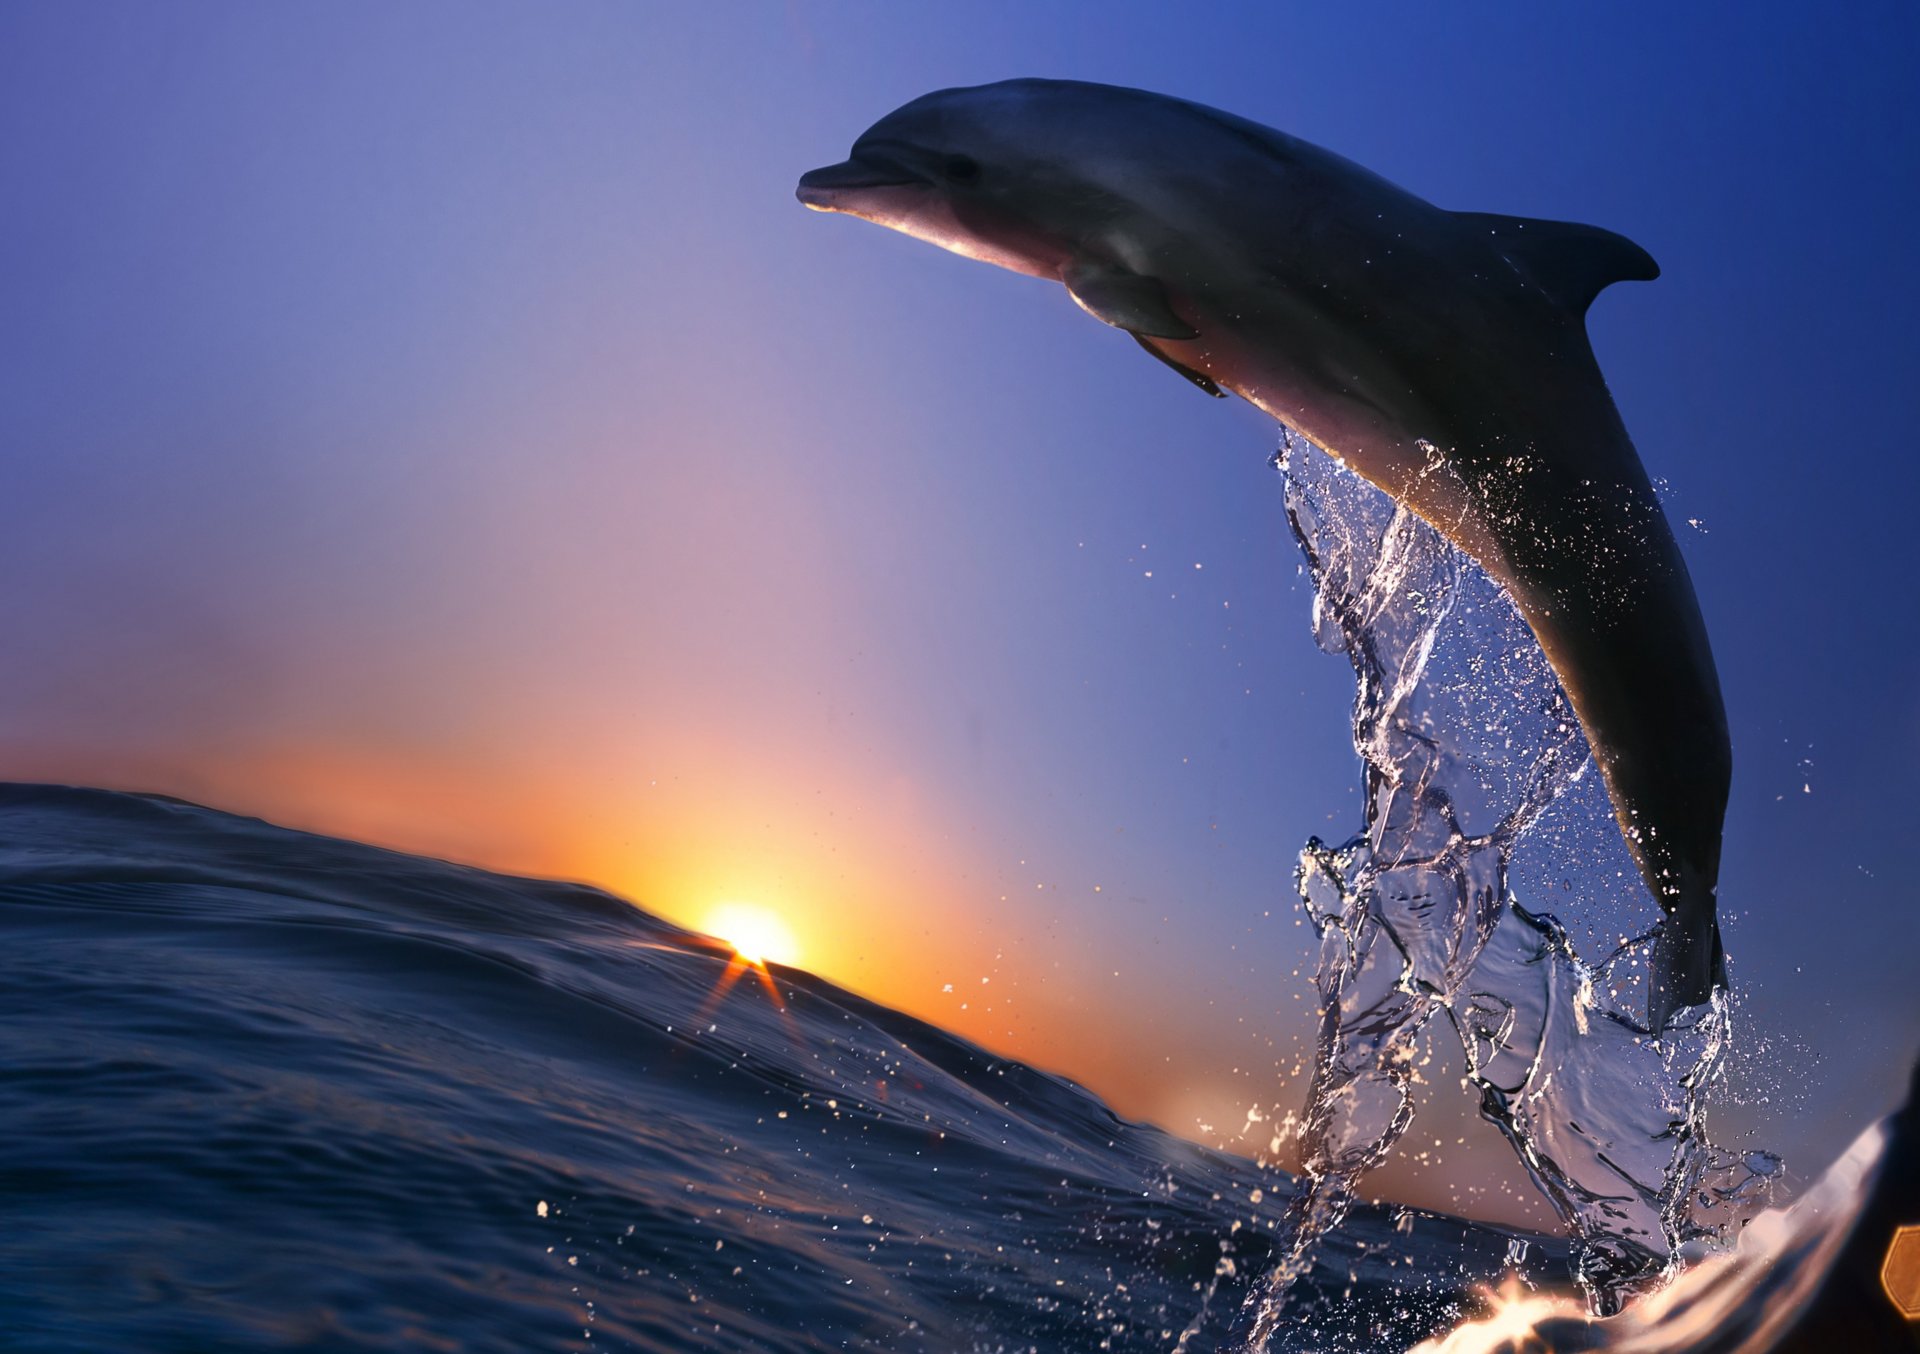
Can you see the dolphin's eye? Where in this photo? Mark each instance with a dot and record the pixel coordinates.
(962, 168)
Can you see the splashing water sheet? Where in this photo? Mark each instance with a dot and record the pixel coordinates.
(1477, 776)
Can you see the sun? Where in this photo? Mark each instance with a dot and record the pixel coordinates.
(756, 934)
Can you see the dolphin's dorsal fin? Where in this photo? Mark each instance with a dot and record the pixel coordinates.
(1124, 299)
(1570, 263)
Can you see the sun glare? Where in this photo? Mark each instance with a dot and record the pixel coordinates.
(756, 934)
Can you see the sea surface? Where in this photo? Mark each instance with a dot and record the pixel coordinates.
(263, 1090)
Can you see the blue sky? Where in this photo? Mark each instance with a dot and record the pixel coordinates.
(439, 424)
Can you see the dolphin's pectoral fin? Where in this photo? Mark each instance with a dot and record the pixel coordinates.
(1138, 304)
(1570, 263)
(1199, 378)
(1124, 299)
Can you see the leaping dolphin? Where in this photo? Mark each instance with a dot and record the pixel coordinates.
(1443, 355)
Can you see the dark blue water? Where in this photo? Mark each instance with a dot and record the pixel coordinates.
(266, 1090)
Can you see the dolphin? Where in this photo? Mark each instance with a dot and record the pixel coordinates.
(1442, 355)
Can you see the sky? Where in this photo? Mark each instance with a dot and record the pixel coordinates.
(439, 425)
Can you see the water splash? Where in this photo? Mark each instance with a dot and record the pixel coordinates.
(1471, 751)
(1742, 1301)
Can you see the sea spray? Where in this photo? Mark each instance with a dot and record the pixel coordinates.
(1470, 748)
(1784, 1284)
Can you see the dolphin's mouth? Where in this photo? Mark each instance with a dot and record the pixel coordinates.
(826, 189)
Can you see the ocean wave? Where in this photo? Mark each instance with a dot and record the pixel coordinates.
(269, 1090)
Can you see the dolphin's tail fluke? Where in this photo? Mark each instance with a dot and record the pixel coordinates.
(1687, 961)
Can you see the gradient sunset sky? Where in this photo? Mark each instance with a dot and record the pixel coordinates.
(438, 425)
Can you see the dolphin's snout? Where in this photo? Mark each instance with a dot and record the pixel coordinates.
(826, 188)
